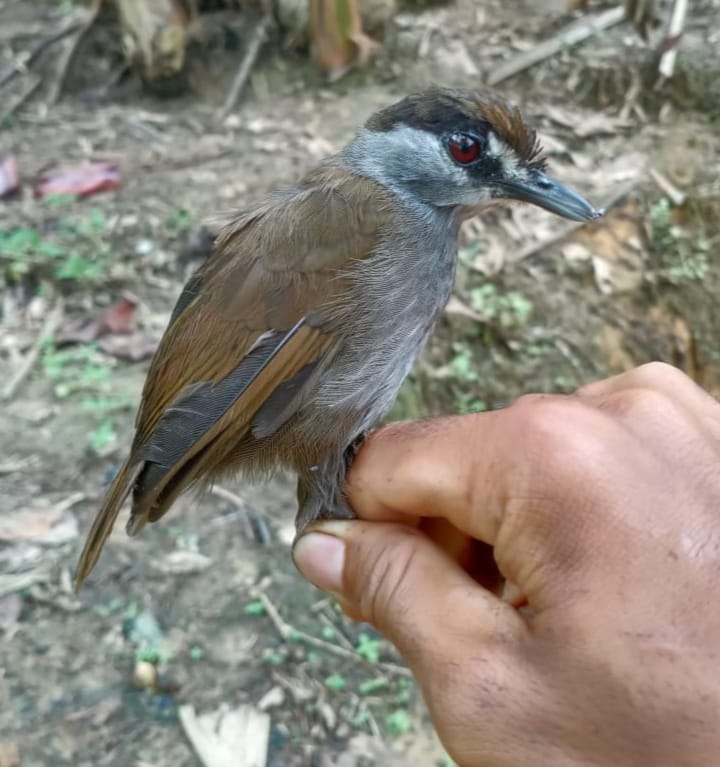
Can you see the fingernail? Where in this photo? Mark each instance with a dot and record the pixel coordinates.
(321, 559)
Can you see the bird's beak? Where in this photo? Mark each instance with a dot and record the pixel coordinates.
(543, 190)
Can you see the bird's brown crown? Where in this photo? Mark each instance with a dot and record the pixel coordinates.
(443, 111)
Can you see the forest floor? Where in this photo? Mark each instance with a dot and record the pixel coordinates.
(210, 596)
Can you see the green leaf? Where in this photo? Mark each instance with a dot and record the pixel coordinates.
(368, 648)
(196, 652)
(398, 723)
(102, 437)
(255, 608)
(335, 682)
(371, 686)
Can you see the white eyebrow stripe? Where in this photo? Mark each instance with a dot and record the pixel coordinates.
(507, 156)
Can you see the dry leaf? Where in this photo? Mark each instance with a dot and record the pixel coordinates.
(79, 180)
(49, 526)
(337, 37)
(181, 562)
(119, 318)
(460, 308)
(612, 342)
(228, 737)
(9, 175)
(134, 347)
(9, 754)
(10, 608)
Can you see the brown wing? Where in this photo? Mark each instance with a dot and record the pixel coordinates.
(249, 321)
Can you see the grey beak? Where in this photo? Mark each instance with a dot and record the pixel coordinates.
(542, 190)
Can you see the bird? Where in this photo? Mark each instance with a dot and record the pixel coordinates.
(290, 342)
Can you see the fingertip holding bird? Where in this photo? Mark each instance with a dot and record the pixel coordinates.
(319, 555)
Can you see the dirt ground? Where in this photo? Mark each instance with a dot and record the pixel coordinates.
(210, 598)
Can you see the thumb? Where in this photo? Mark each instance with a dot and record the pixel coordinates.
(393, 576)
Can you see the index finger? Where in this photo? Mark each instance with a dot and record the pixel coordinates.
(415, 469)
(541, 457)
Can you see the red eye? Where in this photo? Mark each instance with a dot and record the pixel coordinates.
(463, 148)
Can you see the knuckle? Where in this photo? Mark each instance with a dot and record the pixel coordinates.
(640, 404)
(542, 424)
(557, 447)
(654, 374)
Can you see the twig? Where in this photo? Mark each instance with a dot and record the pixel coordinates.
(70, 50)
(565, 231)
(19, 100)
(573, 34)
(288, 632)
(21, 66)
(47, 331)
(676, 196)
(228, 495)
(246, 66)
(666, 67)
(12, 582)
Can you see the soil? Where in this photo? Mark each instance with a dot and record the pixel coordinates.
(186, 596)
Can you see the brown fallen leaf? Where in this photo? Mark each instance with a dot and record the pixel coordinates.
(460, 309)
(338, 40)
(79, 180)
(119, 318)
(42, 525)
(133, 347)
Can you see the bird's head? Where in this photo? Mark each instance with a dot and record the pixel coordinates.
(463, 150)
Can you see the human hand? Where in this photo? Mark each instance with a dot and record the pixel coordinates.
(603, 513)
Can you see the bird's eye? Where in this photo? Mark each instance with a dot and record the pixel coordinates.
(463, 148)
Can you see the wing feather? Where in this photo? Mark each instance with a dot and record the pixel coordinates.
(244, 339)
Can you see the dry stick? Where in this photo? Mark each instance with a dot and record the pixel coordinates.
(246, 66)
(573, 34)
(561, 234)
(288, 632)
(20, 99)
(20, 67)
(677, 196)
(47, 331)
(666, 67)
(69, 52)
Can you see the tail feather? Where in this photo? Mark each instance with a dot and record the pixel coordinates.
(103, 523)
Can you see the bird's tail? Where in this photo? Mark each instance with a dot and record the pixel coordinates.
(103, 523)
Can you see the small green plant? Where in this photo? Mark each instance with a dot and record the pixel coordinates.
(462, 366)
(371, 686)
(681, 257)
(152, 654)
(509, 310)
(274, 658)
(255, 608)
(103, 438)
(335, 682)
(328, 633)
(178, 221)
(368, 648)
(467, 402)
(398, 722)
(74, 249)
(79, 368)
(196, 653)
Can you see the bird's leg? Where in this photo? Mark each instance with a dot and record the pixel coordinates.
(320, 489)
(353, 449)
